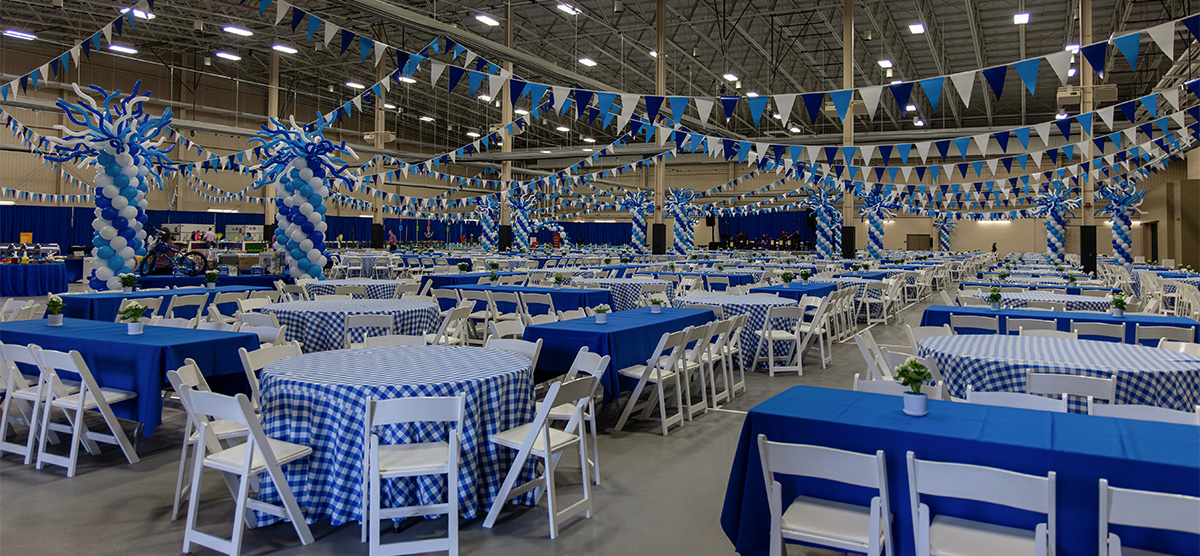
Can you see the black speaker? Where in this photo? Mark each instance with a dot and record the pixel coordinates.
(810, 219)
(504, 241)
(376, 236)
(848, 242)
(269, 235)
(710, 221)
(658, 240)
(1087, 248)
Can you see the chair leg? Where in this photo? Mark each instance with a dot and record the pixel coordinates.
(595, 463)
(551, 496)
(179, 486)
(637, 392)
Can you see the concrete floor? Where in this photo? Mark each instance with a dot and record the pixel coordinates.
(658, 495)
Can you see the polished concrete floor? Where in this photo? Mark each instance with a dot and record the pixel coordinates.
(658, 495)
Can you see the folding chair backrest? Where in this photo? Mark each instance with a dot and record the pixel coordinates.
(987, 324)
(1155, 333)
(1182, 347)
(506, 329)
(394, 340)
(173, 322)
(716, 309)
(915, 335)
(591, 364)
(152, 305)
(541, 299)
(864, 340)
(1014, 325)
(52, 361)
(252, 304)
(1144, 413)
(1017, 399)
(254, 361)
(986, 484)
(178, 301)
(448, 409)
(531, 350)
(367, 321)
(259, 319)
(219, 326)
(10, 356)
(1142, 508)
(572, 314)
(510, 300)
(820, 462)
(266, 334)
(1075, 385)
(1099, 330)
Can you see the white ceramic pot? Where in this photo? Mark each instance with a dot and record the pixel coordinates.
(655, 309)
(1118, 312)
(54, 320)
(558, 286)
(601, 318)
(995, 306)
(127, 289)
(133, 328)
(914, 404)
(787, 284)
(210, 285)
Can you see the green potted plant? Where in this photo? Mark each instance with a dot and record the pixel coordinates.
(694, 257)
(656, 305)
(994, 298)
(128, 281)
(463, 267)
(55, 307)
(494, 266)
(492, 277)
(787, 278)
(131, 315)
(720, 267)
(1003, 275)
(210, 279)
(1118, 304)
(1071, 279)
(913, 374)
(607, 260)
(671, 266)
(601, 311)
(558, 280)
(805, 274)
(624, 260)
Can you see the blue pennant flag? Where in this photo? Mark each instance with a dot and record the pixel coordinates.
(262, 6)
(1002, 140)
(653, 105)
(729, 104)
(582, 98)
(1096, 54)
(943, 148)
(812, 104)
(904, 149)
(456, 74)
(1194, 85)
(933, 90)
(1128, 46)
(347, 38)
(314, 23)
(678, 106)
(1150, 102)
(474, 78)
(841, 102)
(901, 92)
(757, 104)
(962, 144)
(1028, 70)
(1064, 126)
(1193, 24)
(1085, 123)
(536, 92)
(1129, 109)
(516, 87)
(885, 153)
(364, 48)
(995, 79)
(605, 102)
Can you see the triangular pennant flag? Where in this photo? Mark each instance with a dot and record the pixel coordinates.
(1043, 131)
(1150, 102)
(629, 102)
(704, 106)
(1171, 95)
(456, 75)
(281, 11)
(933, 90)
(784, 104)
(330, 32)
(347, 38)
(1164, 36)
(923, 150)
(364, 48)
(653, 105)
(1060, 62)
(943, 148)
(1064, 126)
(474, 79)
(901, 92)
(1096, 54)
(995, 79)
(812, 105)
(729, 104)
(1022, 134)
(496, 82)
(678, 107)
(1002, 140)
(757, 104)
(903, 150)
(583, 98)
(1085, 123)
(297, 17)
(536, 92)
(963, 83)
(1128, 45)
(1193, 25)
(870, 96)
(1129, 109)
(1106, 115)
(1027, 70)
(314, 23)
(962, 144)
(841, 102)
(604, 102)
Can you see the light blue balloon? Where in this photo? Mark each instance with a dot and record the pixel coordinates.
(116, 263)
(106, 252)
(303, 263)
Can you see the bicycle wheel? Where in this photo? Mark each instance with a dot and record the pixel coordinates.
(146, 266)
(193, 262)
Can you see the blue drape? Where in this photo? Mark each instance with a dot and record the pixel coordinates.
(754, 226)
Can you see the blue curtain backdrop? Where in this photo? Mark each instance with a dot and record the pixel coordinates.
(754, 226)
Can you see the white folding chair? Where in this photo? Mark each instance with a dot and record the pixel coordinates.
(1072, 385)
(333, 297)
(1139, 412)
(836, 525)
(1047, 333)
(417, 459)
(946, 535)
(1154, 334)
(1015, 325)
(1145, 509)
(267, 335)
(452, 330)
(252, 305)
(800, 338)
(220, 326)
(894, 388)
(1099, 330)
(510, 329)
(23, 400)
(915, 335)
(152, 305)
(987, 324)
(531, 350)
(1018, 399)
(180, 301)
(539, 299)
(1190, 348)
(258, 319)
(89, 397)
(540, 319)
(572, 314)
(355, 292)
(254, 361)
(657, 373)
(387, 340)
(369, 325)
(172, 322)
(590, 364)
(540, 440)
(870, 354)
(258, 454)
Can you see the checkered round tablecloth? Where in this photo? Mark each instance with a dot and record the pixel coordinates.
(508, 265)
(626, 291)
(756, 306)
(1017, 300)
(319, 400)
(376, 289)
(1145, 375)
(319, 325)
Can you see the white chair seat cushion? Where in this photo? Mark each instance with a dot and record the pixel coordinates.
(110, 396)
(30, 394)
(953, 536)
(845, 523)
(1126, 551)
(777, 335)
(222, 429)
(514, 437)
(451, 340)
(231, 459)
(559, 412)
(422, 458)
(636, 371)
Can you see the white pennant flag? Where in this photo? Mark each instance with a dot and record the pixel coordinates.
(981, 141)
(435, 71)
(963, 83)
(1164, 37)
(387, 85)
(717, 149)
(560, 97)
(107, 30)
(992, 162)
(867, 151)
(923, 149)
(1061, 63)
(948, 171)
(1036, 157)
(330, 31)
(496, 82)
(870, 96)
(629, 103)
(907, 171)
(1177, 117)
(1106, 114)
(704, 106)
(75, 56)
(470, 58)
(1043, 131)
(281, 10)
(784, 103)
(380, 50)
(357, 102)
(1172, 96)
(1131, 134)
(813, 152)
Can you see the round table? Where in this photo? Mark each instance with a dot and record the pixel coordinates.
(319, 325)
(1017, 300)
(319, 400)
(376, 289)
(626, 291)
(32, 280)
(507, 265)
(754, 305)
(1148, 376)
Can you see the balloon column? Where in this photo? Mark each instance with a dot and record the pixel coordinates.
(521, 205)
(944, 227)
(639, 205)
(557, 228)
(679, 205)
(1123, 200)
(302, 166)
(877, 208)
(488, 210)
(120, 142)
(824, 199)
(1055, 205)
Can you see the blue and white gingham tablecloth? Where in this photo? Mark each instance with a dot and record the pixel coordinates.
(627, 291)
(319, 400)
(1017, 300)
(376, 289)
(319, 325)
(757, 307)
(1145, 375)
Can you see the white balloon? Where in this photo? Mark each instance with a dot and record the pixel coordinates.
(113, 283)
(125, 252)
(314, 255)
(111, 191)
(97, 263)
(141, 196)
(323, 259)
(103, 180)
(141, 234)
(120, 202)
(130, 171)
(315, 182)
(296, 272)
(143, 170)
(306, 209)
(314, 217)
(306, 244)
(96, 211)
(280, 190)
(322, 191)
(108, 148)
(306, 174)
(300, 163)
(143, 203)
(287, 201)
(98, 224)
(124, 159)
(296, 233)
(104, 273)
(118, 242)
(322, 226)
(108, 232)
(129, 212)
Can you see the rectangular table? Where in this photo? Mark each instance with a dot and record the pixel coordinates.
(104, 305)
(864, 274)
(565, 299)
(264, 280)
(443, 280)
(797, 290)
(140, 363)
(1081, 449)
(735, 279)
(937, 315)
(1071, 290)
(628, 337)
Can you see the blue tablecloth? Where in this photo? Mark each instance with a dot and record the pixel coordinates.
(139, 363)
(796, 290)
(74, 269)
(628, 337)
(1082, 449)
(264, 280)
(321, 325)
(864, 274)
(735, 279)
(566, 299)
(627, 292)
(625, 269)
(902, 267)
(1071, 290)
(32, 280)
(443, 280)
(104, 305)
(937, 315)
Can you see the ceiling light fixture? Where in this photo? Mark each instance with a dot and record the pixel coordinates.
(406, 79)
(521, 112)
(472, 134)
(1072, 48)
(588, 140)
(19, 35)
(122, 49)
(228, 56)
(283, 48)
(897, 81)
(910, 108)
(563, 129)
(569, 9)
(795, 129)
(1061, 116)
(139, 13)
(487, 20)
(588, 150)
(885, 64)
(389, 106)
(355, 85)
(916, 28)
(587, 62)
(730, 77)
(919, 123)
(484, 98)
(1071, 72)
(777, 116)
(238, 31)
(654, 54)
(545, 152)
(1021, 18)
(752, 94)
(426, 119)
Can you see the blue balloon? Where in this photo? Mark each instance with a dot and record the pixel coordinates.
(307, 227)
(141, 217)
(287, 186)
(314, 200)
(103, 202)
(279, 204)
(130, 193)
(136, 244)
(116, 263)
(125, 270)
(98, 241)
(295, 173)
(317, 170)
(120, 223)
(320, 208)
(109, 213)
(106, 252)
(284, 209)
(303, 263)
(317, 236)
(319, 246)
(127, 233)
(315, 271)
(297, 254)
(112, 170)
(120, 180)
(96, 283)
(105, 159)
(305, 190)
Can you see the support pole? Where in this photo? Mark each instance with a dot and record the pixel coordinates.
(849, 247)
(506, 114)
(1087, 238)
(659, 239)
(268, 193)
